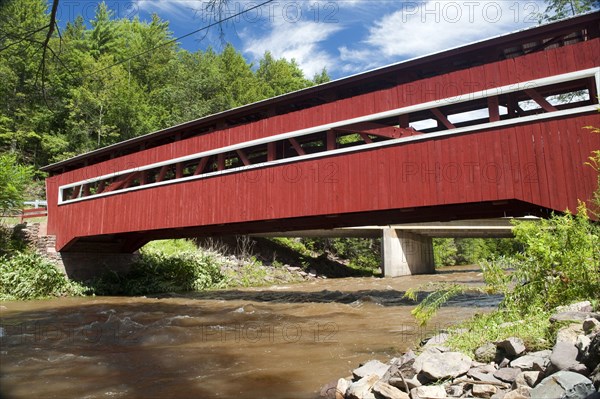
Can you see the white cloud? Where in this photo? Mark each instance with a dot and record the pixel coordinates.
(420, 28)
(293, 40)
(170, 9)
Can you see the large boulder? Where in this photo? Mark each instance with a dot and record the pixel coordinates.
(439, 366)
(564, 385)
(564, 355)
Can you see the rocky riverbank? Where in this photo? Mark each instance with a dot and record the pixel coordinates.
(499, 370)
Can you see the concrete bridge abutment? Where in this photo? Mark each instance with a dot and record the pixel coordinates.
(405, 253)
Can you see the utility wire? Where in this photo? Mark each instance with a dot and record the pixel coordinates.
(178, 38)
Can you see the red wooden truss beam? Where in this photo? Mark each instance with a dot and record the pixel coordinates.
(442, 118)
(331, 140)
(538, 98)
(271, 151)
(242, 155)
(75, 193)
(201, 166)
(162, 173)
(297, 146)
(123, 181)
(493, 109)
(377, 129)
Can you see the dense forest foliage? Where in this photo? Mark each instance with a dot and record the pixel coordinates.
(107, 80)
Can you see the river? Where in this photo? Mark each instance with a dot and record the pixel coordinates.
(268, 342)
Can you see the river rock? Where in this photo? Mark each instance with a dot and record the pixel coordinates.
(439, 366)
(486, 353)
(564, 385)
(512, 346)
(437, 340)
(402, 366)
(455, 391)
(536, 361)
(361, 389)
(371, 367)
(531, 377)
(564, 355)
(507, 374)
(583, 343)
(591, 357)
(428, 392)
(387, 391)
(483, 390)
(328, 390)
(500, 393)
(519, 393)
(595, 377)
(398, 382)
(569, 333)
(591, 325)
(341, 388)
(481, 376)
(573, 317)
(583, 306)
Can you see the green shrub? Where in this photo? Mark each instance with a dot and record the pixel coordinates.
(158, 272)
(444, 252)
(27, 275)
(469, 251)
(14, 178)
(560, 263)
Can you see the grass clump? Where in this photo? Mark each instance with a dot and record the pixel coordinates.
(534, 329)
(27, 275)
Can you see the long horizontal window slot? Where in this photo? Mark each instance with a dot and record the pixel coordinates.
(554, 96)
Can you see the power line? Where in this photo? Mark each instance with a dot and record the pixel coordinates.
(179, 38)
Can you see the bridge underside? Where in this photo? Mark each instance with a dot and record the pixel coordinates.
(130, 242)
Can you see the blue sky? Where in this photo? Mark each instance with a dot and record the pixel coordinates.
(344, 36)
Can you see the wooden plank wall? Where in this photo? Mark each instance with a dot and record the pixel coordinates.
(541, 163)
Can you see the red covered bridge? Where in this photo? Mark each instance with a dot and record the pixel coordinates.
(491, 129)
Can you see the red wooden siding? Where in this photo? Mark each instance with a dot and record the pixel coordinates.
(538, 163)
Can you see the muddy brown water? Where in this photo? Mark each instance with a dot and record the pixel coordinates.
(268, 342)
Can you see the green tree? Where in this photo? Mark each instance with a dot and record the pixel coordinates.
(558, 9)
(106, 108)
(14, 179)
(241, 86)
(105, 37)
(280, 76)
